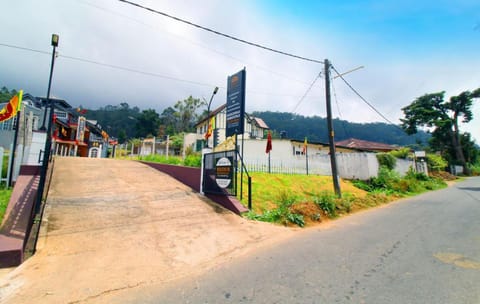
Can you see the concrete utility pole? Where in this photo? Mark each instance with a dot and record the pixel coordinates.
(333, 159)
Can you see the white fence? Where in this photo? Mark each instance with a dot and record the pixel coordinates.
(349, 165)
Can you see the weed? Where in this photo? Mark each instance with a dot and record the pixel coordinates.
(326, 202)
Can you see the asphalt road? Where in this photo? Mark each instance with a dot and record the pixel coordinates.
(420, 250)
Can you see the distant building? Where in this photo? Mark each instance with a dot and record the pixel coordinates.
(255, 128)
(73, 134)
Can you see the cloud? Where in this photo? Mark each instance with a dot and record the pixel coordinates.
(397, 69)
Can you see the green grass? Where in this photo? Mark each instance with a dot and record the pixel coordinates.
(305, 199)
(4, 198)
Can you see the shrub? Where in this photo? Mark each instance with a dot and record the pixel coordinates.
(403, 153)
(193, 160)
(436, 162)
(326, 202)
(282, 214)
(386, 160)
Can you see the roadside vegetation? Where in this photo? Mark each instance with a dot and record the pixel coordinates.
(306, 200)
(4, 198)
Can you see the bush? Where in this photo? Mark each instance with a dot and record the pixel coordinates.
(326, 202)
(403, 153)
(282, 214)
(193, 160)
(386, 160)
(436, 162)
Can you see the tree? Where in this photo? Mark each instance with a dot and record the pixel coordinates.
(432, 111)
(147, 123)
(186, 113)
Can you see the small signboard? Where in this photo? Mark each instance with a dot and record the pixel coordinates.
(236, 103)
(223, 170)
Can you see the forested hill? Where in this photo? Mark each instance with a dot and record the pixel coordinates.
(315, 129)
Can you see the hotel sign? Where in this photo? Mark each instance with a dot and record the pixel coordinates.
(236, 103)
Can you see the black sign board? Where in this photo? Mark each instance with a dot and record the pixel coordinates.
(236, 103)
(219, 175)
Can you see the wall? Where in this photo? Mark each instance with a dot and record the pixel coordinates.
(354, 165)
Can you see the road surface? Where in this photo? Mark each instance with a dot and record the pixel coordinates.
(113, 225)
(420, 250)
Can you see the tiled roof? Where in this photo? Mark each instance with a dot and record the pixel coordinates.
(261, 123)
(365, 145)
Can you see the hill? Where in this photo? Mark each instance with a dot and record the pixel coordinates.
(315, 129)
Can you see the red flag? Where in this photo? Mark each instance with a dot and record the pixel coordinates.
(304, 149)
(269, 143)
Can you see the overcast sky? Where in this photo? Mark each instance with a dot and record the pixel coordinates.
(408, 48)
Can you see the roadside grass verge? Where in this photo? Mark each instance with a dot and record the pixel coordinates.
(4, 198)
(306, 200)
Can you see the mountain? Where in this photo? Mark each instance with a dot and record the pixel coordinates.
(315, 129)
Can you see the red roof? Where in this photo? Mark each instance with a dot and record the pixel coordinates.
(365, 145)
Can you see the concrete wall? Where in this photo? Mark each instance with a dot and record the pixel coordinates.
(284, 158)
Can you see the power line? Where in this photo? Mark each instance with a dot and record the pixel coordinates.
(220, 33)
(24, 48)
(364, 100)
(196, 43)
(306, 92)
(137, 71)
(338, 109)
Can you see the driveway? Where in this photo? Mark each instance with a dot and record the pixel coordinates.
(113, 225)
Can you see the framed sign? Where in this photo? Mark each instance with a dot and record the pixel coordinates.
(236, 103)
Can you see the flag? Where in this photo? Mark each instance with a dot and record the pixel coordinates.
(12, 107)
(269, 143)
(304, 149)
(81, 111)
(211, 126)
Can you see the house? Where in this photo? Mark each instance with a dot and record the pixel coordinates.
(255, 128)
(72, 134)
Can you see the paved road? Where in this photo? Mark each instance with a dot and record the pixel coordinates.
(420, 250)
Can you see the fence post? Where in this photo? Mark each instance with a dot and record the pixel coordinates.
(249, 193)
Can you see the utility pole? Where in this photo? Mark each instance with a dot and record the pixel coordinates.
(331, 142)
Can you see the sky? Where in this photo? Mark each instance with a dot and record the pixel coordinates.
(112, 52)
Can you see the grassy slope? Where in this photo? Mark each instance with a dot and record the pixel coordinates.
(4, 198)
(268, 190)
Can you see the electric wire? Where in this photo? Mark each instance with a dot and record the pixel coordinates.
(196, 43)
(339, 112)
(306, 92)
(363, 99)
(220, 33)
(131, 70)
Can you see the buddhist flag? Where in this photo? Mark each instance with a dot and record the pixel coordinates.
(304, 149)
(269, 143)
(12, 107)
(211, 126)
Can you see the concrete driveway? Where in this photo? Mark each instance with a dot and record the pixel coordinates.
(112, 225)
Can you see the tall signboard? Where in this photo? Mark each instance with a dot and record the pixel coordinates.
(236, 103)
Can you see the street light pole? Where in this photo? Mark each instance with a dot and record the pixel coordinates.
(48, 141)
(54, 44)
(208, 109)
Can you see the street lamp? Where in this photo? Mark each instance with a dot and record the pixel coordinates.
(208, 109)
(55, 39)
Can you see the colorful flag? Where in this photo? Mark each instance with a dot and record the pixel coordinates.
(269, 143)
(304, 149)
(12, 107)
(211, 126)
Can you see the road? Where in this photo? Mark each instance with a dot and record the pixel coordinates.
(420, 250)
